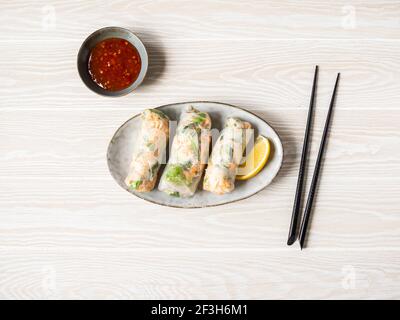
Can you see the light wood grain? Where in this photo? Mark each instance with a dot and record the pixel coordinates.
(68, 231)
(152, 274)
(207, 19)
(252, 73)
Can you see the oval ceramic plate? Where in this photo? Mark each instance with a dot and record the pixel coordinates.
(122, 146)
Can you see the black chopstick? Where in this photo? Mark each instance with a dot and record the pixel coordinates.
(300, 179)
(314, 181)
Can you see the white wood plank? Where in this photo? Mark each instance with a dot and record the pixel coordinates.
(190, 274)
(92, 213)
(257, 74)
(69, 231)
(207, 19)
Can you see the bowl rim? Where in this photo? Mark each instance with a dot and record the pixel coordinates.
(144, 67)
(209, 205)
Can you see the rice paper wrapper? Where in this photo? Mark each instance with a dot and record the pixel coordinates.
(226, 156)
(149, 152)
(189, 154)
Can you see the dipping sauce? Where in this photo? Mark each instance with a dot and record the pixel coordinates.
(114, 64)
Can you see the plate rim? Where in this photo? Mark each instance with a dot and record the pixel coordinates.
(208, 205)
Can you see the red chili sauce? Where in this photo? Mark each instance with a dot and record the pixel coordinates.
(114, 64)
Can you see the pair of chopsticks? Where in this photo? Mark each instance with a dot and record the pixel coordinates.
(314, 181)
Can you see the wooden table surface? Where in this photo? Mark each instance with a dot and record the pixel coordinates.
(69, 231)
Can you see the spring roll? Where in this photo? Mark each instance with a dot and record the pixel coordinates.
(226, 157)
(149, 152)
(189, 154)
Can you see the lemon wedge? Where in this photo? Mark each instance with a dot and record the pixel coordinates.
(256, 159)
